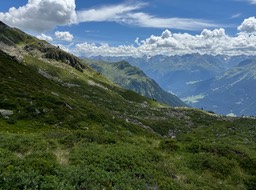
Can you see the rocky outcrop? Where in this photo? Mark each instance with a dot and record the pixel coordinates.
(6, 113)
(15, 38)
(58, 55)
(55, 53)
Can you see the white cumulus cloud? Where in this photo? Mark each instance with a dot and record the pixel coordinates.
(65, 36)
(41, 15)
(217, 33)
(248, 25)
(45, 37)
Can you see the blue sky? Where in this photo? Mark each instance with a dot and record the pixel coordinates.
(137, 27)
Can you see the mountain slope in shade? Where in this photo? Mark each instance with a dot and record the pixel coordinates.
(232, 91)
(129, 77)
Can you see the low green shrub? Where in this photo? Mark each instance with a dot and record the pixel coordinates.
(168, 145)
(219, 166)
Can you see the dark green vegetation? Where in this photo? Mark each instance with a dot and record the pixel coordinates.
(133, 78)
(65, 129)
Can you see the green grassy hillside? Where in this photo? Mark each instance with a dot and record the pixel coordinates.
(66, 128)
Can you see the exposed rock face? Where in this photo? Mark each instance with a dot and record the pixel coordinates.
(51, 53)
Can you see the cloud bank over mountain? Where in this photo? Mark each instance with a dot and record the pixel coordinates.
(211, 42)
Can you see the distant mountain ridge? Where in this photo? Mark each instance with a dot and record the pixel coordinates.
(232, 91)
(188, 76)
(175, 73)
(132, 78)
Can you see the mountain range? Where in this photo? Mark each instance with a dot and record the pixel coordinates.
(188, 75)
(65, 126)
